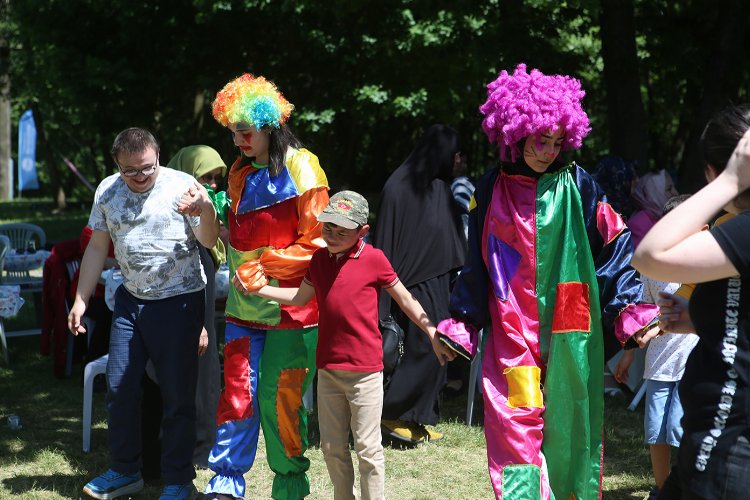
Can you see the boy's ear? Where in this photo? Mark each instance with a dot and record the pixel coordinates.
(364, 230)
(705, 227)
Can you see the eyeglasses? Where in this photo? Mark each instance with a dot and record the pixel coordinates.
(133, 172)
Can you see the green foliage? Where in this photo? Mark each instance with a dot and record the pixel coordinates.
(366, 77)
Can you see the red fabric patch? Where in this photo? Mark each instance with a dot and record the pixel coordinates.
(572, 308)
(608, 222)
(276, 226)
(236, 402)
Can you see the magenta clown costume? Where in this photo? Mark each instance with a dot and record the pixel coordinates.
(276, 191)
(548, 270)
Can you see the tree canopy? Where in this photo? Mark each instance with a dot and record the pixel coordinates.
(366, 77)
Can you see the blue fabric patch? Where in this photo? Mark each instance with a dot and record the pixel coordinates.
(262, 190)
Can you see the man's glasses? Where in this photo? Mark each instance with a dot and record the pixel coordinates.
(132, 172)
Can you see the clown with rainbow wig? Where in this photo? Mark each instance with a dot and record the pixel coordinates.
(276, 191)
(548, 271)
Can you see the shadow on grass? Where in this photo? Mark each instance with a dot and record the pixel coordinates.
(68, 486)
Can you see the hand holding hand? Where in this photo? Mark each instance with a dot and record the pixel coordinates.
(645, 334)
(442, 351)
(251, 277)
(674, 313)
(194, 200)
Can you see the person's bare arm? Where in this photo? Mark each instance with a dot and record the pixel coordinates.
(288, 296)
(91, 269)
(416, 313)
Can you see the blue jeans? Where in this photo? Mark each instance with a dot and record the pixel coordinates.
(166, 332)
(663, 413)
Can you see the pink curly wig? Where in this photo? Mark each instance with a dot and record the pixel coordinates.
(523, 104)
(252, 100)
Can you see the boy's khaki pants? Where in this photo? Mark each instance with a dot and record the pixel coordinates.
(352, 401)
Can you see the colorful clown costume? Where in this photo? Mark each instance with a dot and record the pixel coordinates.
(269, 354)
(548, 266)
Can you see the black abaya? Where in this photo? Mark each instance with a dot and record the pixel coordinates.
(419, 229)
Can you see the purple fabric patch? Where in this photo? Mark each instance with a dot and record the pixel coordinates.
(503, 262)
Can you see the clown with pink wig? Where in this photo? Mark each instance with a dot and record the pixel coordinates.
(548, 271)
(276, 191)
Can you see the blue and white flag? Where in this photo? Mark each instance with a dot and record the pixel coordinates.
(27, 152)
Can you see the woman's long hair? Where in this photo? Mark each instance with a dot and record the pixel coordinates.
(279, 141)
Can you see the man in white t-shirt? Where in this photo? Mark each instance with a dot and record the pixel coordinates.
(156, 217)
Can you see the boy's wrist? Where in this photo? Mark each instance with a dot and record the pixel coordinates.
(431, 332)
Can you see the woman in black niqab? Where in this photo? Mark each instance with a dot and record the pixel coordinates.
(419, 229)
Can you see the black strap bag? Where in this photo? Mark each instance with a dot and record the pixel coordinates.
(393, 344)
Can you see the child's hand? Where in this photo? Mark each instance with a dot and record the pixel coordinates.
(442, 351)
(674, 313)
(644, 335)
(623, 366)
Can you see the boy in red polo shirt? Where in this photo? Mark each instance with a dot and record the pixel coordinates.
(347, 277)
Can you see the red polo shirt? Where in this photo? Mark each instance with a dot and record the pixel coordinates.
(347, 289)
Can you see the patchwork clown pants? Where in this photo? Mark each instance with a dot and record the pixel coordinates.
(266, 372)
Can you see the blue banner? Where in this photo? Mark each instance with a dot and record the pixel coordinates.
(27, 152)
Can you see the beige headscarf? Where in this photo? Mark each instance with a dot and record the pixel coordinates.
(198, 161)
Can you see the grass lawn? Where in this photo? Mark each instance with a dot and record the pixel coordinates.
(44, 460)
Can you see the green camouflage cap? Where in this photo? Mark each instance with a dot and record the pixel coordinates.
(346, 209)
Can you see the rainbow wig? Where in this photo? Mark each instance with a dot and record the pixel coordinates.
(523, 104)
(252, 100)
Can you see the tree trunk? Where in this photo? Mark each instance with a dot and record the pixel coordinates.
(5, 148)
(628, 133)
(49, 160)
(720, 85)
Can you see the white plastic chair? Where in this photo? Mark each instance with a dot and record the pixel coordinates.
(92, 369)
(20, 235)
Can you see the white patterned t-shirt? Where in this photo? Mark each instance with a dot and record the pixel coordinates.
(154, 243)
(666, 355)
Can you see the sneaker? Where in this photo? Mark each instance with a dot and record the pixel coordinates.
(653, 494)
(178, 492)
(112, 484)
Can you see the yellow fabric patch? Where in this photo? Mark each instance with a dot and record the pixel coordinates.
(304, 169)
(524, 386)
